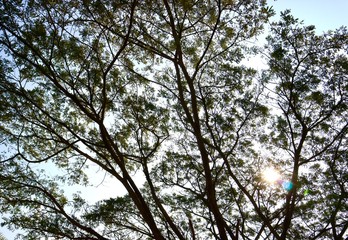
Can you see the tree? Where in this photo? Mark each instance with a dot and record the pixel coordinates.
(2, 237)
(159, 87)
(309, 74)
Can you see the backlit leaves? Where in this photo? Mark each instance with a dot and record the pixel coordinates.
(158, 91)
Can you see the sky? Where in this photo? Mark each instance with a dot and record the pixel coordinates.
(324, 14)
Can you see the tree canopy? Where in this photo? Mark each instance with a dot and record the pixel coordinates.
(163, 90)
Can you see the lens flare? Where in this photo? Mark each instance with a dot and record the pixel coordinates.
(272, 176)
(287, 185)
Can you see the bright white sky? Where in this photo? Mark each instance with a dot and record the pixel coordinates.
(324, 14)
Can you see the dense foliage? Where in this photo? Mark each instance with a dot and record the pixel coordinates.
(162, 91)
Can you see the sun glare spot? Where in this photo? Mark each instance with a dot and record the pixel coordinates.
(270, 175)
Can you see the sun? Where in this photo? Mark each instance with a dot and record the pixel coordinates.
(270, 175)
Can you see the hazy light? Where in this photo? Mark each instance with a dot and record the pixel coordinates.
(271, 175)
